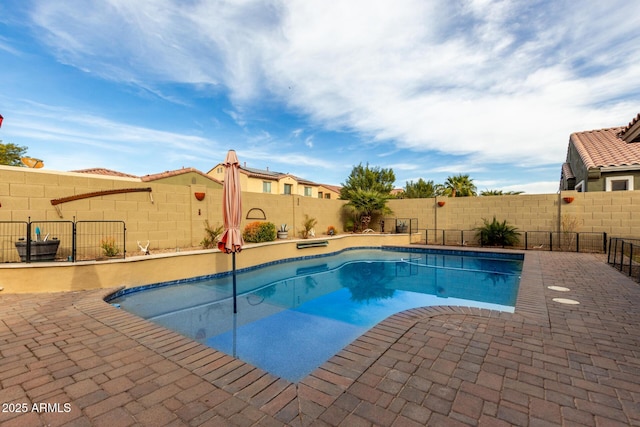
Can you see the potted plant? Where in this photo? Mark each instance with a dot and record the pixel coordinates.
(331, 231)
(40, 250)
(283, 232)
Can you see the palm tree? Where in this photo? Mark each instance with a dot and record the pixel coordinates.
(366, 203)
(459, 186)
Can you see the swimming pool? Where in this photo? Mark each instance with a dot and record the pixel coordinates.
(293, 316)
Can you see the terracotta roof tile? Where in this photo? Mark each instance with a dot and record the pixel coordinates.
(604, 147)
(106, 172)
(631, 133)
(567, 172)
(168, 174)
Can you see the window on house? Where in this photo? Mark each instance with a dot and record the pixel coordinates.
(307, 191)
(327, 196)
(266, 187)
(287, 189)
(619, 183)
(320, 195)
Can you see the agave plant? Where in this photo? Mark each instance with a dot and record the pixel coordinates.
(496, 233)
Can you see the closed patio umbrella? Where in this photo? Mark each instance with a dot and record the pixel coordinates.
(231, 240)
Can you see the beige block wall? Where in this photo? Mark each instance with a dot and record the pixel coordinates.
(170, 216)
(615, 213)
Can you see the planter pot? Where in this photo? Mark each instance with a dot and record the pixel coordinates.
(283, 234)
(568, 199)
(199, 196)
(40, 251)
(441, 204)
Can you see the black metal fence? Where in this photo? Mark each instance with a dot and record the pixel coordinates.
(624, 254)
(528, 240)
(30, 241)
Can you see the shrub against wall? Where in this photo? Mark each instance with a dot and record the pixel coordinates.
(257, 232)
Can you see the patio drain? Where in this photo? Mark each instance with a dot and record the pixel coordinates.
(559, 288)
(566, 301)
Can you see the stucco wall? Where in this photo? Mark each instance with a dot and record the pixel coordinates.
(143, 270)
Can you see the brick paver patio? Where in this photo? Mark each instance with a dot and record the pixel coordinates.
(548, 364)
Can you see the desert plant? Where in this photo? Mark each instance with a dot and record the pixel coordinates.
(109, 247)
(307, 226)
(257, 232)
(283, 228)
(496, 233)
(212, 234)
(331, 230)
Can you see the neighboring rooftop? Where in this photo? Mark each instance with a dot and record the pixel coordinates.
(177, 172)
(605, 147)
(105, 172)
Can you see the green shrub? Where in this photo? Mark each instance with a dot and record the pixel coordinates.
(257, 232)
(496, 233)
(212, 234)
(109, 247)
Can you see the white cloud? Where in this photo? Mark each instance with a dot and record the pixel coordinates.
(492, 80)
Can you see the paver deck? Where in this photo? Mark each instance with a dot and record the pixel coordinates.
(71, 359)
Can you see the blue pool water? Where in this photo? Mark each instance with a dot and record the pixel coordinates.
(293, 316)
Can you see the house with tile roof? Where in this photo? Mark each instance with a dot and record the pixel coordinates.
(603, 159)
(183, 176)
(272, 182)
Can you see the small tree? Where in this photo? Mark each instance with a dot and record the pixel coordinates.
(10, 154)
(307, 226)
(419, 190)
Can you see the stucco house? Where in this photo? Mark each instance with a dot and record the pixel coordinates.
(603, 159)
(272, 182)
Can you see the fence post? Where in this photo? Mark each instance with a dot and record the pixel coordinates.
(551, 241)
(622, 255)
(28, 243)
(577, 242)
(604, 243)
(526, 240)
(631, 260)
(74, 236)
(124, 240)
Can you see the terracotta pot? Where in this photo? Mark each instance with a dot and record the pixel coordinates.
(441, 204)
(568, 199)
(199, 196)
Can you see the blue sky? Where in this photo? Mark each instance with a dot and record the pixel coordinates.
(492, 89)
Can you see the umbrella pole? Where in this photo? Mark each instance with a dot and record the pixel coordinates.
(235, 307)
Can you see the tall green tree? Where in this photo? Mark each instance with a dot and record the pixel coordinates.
(419, 190)
(10, 154)
(368, 178)
(459, 186)
(499, 193)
